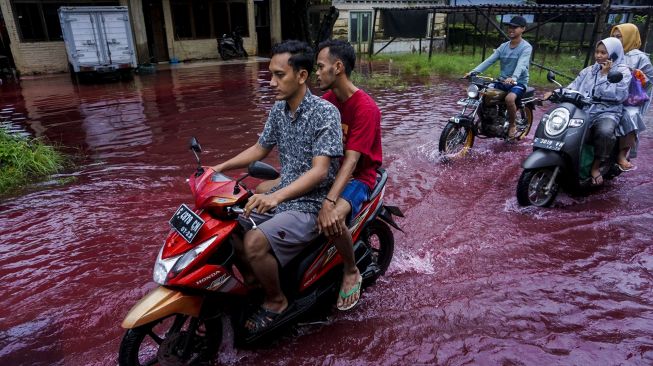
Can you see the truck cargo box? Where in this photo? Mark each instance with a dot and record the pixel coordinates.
(98, 39)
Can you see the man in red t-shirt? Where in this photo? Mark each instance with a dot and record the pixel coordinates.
(361, 127)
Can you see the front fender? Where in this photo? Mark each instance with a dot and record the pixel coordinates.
(160, 303)
(543, 158)
(462, 120)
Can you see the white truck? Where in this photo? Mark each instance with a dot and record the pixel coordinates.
(98, 40)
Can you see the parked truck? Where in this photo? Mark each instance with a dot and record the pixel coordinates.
(98, 41)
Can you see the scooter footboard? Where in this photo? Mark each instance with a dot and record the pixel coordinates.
(160, 303)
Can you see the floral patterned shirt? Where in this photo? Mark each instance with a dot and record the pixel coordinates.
(314, 130)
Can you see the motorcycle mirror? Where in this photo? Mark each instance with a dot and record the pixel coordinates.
(615, 76)
(194, 145)
(262, 170)
(550, 76)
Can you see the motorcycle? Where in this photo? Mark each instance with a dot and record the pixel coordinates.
(562, 151)
(231, 46)
(485, 115)
(180, 321)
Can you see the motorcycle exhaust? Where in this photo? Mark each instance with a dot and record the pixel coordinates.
(160, 303)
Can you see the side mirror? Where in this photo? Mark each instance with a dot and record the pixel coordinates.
(615, 76)
(194, 145)
(550, 76)
(262, 170)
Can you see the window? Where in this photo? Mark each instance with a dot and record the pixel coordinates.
(201, 19)
(360, 26)
(38, 20)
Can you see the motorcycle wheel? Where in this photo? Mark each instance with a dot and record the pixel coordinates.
(381, 242)
(526, 123)
(531, 188)
(161, 342)
(456, 140)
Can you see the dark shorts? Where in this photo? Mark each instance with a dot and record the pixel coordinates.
(356, 193)
(288, 232)
(517, 89)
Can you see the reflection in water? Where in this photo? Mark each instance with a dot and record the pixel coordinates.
(476, 279)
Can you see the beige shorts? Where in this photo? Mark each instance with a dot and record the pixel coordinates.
(288, 232)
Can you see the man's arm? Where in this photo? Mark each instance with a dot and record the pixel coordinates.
(522, 63)
(328, 219)
(488, 62)
(252, 154)
(304, 184)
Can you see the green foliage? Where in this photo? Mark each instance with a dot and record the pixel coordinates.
(22, 160)
(454, 64)
(378, 81)
(640, 19)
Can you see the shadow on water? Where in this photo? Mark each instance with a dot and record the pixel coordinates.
(476, 279)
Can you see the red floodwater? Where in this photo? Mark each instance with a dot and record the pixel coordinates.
(476, 279)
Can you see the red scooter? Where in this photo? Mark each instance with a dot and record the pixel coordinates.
(180, 322)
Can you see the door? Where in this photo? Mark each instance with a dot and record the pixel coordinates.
(155, 30)
(360, 28)
(262, 19)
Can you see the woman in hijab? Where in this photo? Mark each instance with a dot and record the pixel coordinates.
(632, 122)
(593, 82)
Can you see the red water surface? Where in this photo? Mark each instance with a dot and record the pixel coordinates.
(476, 279)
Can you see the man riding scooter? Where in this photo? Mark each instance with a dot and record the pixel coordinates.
(306, 130)
(514, 57)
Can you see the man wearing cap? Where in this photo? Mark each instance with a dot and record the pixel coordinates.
(514, 57)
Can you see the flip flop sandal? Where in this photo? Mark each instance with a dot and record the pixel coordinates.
(353, 291)
(626, 168)
(261, 319)
(596, 181)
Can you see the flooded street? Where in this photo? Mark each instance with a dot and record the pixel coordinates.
(476, 279)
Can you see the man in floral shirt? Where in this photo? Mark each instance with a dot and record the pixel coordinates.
(306, 130)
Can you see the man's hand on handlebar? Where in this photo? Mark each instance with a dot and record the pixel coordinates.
(547, 95)
(262, 203)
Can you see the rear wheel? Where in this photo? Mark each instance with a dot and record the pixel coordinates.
(175, 340)
(532, 188)
(456, 140)
(381, 242)
(524, 123)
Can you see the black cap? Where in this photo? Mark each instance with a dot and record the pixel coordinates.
(517, 22)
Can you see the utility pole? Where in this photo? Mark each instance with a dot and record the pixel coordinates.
(599, 26)
(601, 19)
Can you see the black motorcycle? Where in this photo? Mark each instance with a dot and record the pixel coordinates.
(230, 46)
(485, 115)
(562, 152)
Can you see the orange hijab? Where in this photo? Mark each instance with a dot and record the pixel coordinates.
(629, 36)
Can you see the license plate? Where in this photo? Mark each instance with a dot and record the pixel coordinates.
(186, 222)
(468, 101)
(548, 144)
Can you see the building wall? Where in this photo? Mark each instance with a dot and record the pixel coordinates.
(33, 57)
(50, 57)
(341, 27)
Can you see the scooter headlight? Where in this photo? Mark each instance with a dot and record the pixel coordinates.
(162, 267)
(472, 91)
(556, 122)
(190, 256)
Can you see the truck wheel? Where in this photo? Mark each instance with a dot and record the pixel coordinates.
(74, 77)
(531, 188)
(126, 75)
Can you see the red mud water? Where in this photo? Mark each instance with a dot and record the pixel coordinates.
(475, 279)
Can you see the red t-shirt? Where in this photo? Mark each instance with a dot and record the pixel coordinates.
(361, 131)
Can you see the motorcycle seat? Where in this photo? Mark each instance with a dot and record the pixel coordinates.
(530, 92)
